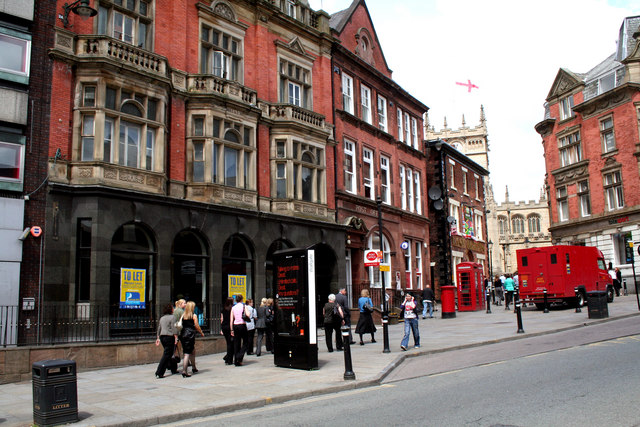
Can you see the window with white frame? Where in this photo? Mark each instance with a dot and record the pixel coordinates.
(304, 171)
(367, 173)
(607, 135)
(347, 93)
(454, 212)
(128, 124)
(16, 55)
(418, 257)
(382, 113)
(585, 199)
(403, 188)
(534, 223)
(281, 169)
(613, 190)
(563, 204)
(416, 193)
(407, 263)
(452, 175)
(385, 176)
(400, 128)
(350, 167)
(11, 161)
(478, 219)
(291, 8)
(414, 133)
(220, 53)
(566, 107)
(365, 101)
(465, 183)
(477, 185)
(570, 149)
(233, 154)
(127, 20)
(407, 131)
(606, 82)
(409, 189)
(295, 84)
(373, 243)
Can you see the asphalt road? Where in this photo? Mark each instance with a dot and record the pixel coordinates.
(583, 377)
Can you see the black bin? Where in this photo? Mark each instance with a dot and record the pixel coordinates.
(597, 305)
(55, 392)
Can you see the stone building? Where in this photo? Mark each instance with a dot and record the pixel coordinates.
(590, 134)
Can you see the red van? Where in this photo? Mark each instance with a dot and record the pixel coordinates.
(559, 270)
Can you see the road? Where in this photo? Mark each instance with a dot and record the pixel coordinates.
(582, 377)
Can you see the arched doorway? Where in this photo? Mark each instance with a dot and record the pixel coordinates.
(190, 262)
(132, 273)
(326, 276)
(268, 264)
(237, 267)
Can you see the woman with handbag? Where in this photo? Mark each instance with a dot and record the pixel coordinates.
(188, 338)
(365, 322)
(251, 326)
(225, 329)
(240, 315)
(168, 336)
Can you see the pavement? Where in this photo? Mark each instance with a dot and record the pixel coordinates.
(132, 396)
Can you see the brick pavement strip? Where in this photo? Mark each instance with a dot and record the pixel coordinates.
(131, 396)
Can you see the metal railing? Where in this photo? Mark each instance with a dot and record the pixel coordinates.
(83, 323)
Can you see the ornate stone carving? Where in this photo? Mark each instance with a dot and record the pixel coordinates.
(131, 177)
(224, 10)
(110, 173)
(85, 172)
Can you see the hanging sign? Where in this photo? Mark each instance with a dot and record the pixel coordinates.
(371, 258)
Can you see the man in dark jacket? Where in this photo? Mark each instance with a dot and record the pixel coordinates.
(427, 302)
(342, 300)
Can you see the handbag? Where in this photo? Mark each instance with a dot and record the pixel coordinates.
(367, 307)
(178, 325)
(246, 318)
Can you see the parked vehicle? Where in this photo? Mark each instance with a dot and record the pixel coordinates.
(561, 270)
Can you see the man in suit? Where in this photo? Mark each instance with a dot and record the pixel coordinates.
(342, 300)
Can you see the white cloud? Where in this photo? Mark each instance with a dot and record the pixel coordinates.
(511, 50)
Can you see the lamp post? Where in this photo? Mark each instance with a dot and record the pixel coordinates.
(80, 8)
(385, 312)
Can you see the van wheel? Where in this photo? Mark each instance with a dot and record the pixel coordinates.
(580, 299)
(610, 293)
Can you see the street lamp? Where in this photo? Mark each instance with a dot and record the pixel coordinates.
(80, 8)
(385, 312)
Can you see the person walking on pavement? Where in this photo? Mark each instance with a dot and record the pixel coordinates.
(251, 326)
(188, 338)
(239, 329)
(343, 301)
(168, 336)
(618, 283)
(225, 330)
(365, 322)
(508, 289)
(261, 324)
(333, 320)
(410, 314)
(427, 301)
(497, 288)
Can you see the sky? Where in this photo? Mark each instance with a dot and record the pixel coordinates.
(511, 50)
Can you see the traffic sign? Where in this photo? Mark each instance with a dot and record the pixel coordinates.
(36, 231)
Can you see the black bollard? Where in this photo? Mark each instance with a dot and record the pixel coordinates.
(385, 333)
(625, 288)
(578, 310)
(346, 343)
(546, 302)
(488, 300)
(518, 313)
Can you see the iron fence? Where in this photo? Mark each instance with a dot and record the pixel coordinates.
(59, 323)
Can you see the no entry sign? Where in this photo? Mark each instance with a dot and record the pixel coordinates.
(36, 231)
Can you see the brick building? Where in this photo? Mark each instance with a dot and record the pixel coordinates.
(590, 134)
(378, 128)
(187, 142)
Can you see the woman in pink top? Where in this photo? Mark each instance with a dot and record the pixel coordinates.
(239, 330)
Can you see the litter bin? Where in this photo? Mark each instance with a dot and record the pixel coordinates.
(448, 301)
(597, 305)
(55, 392)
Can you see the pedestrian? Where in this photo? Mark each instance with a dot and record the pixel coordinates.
(427, 301)
(251, 326)
(333, 320)
(271, 325)
(365, 322)
(188, 338)
(508, 290)
(617, 284)
(497, 287)
(261, 324)
(225, 330)
(177, 314)
(343, 301)
(410, 313)
(168, 336)
(239, 315)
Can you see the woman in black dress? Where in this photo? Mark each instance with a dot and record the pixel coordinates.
(188, 338)
(225, 329)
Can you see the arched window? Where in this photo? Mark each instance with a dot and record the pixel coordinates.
(502, 225)
(237, 267)
(534, 223)
(517, 224)
(190, 261)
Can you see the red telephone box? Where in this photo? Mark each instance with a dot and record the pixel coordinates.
(470, 286)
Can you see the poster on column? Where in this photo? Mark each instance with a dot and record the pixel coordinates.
(132, 288)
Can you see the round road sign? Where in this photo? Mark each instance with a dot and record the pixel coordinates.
(36, 231)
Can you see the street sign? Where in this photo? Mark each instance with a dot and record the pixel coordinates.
(371, 258)
(36, 231)
(385, 267)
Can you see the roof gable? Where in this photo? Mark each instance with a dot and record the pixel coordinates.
(564, 82)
